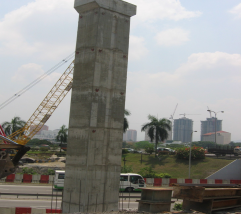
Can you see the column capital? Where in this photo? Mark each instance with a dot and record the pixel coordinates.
(118, 6)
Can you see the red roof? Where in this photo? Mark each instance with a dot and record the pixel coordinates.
(208, 134)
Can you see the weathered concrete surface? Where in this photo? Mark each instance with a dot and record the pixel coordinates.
(97, 106)
(231, 171)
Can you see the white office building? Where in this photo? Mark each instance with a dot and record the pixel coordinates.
(222, 137)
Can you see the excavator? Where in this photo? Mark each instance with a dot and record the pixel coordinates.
(12, 147)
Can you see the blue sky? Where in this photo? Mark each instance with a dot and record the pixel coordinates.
(185, 52)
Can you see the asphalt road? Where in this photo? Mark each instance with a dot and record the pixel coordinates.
(22, 188)
(45, 202)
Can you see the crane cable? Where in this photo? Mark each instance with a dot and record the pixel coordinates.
(36, 81)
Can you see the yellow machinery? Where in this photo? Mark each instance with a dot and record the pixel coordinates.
(19, 139)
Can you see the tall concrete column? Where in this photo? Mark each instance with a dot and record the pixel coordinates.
(97, 106)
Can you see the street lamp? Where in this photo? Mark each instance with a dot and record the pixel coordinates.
(215, 122)
(190, 155)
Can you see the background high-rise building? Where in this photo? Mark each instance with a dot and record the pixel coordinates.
(130, 135)
(183, 129)
(208, 126)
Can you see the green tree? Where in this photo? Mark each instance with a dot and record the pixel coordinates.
(149, 148)
(126, 124)
(141, 144)
(38, 142)
(15, 124)
(157, 129)
(62, 135)
(126, 169)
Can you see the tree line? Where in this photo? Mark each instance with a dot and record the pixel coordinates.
(157, 129)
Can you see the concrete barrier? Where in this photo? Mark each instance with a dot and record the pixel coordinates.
(181, 180)
(51, 179)
(18, 178)
(211, 181)
(38, 210)
(150, 180)
(196, 181)
(3, 179)
(6, 210)
(165, 182)
(36, 178)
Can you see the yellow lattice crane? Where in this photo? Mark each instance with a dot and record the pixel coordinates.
(19, 139)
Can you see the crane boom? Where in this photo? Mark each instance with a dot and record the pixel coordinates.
(44, 111)
(184, 114)
(174, 111)
(46, 108)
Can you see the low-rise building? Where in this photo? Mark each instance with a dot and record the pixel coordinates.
(222, 137)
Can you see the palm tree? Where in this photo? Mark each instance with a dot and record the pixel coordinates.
(157, 129)
(62, 135)
(126, 124)
(15, 124)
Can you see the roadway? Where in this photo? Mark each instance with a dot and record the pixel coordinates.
(45, 202)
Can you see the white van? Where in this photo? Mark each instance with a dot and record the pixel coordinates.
(128, 181)
(59, 179)
(131, 182)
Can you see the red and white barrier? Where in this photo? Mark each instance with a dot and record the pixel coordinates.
(25, 178)
(28, 210)
(160, 182)
(157, 182)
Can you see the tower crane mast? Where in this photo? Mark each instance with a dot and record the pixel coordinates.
(172, 118)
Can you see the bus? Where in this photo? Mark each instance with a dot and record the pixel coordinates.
(129, 182)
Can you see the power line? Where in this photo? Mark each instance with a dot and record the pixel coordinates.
(36, 81)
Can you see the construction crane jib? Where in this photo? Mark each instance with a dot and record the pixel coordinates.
(46, 108)
(184, 114)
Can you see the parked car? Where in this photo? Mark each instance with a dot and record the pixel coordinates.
(165, 150)
(27, 160)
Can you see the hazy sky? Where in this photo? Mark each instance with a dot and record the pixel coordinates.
(181, 51)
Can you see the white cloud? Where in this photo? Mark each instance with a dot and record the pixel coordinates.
(211, 67)
(172, 37)
(153, 10)
(33, 29)
(137, 48)
(202, 70)
(31, 71)
(236, 11)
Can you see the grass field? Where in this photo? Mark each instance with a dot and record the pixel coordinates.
(175, 167)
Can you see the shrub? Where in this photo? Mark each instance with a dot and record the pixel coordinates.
(60, 154)
(149, 148)
(34, 149)
(49, 172)
(29, 171)
(148, 172)
(125, 151)
(163, 175)
(177, 207)
(126, 169)
(43, 149)
(196, 153)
